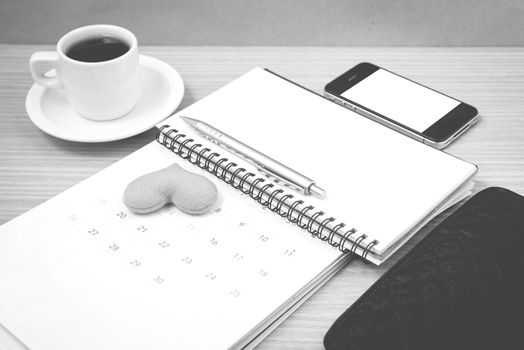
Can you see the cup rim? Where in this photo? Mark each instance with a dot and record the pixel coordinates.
(129, 37)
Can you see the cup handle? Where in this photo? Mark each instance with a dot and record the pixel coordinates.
(38, 59)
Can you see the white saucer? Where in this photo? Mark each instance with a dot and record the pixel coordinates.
(162, 92)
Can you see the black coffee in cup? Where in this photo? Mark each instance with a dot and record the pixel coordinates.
(98, 49)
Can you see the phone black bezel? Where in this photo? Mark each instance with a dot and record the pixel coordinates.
(440, 131)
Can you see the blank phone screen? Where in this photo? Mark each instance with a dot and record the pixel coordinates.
(397, 98)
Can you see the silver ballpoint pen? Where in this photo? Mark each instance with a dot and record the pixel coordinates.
(278, 171)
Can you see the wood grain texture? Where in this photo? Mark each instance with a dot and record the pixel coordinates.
(34, 166)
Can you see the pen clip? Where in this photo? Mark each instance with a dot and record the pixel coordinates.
(280, 180)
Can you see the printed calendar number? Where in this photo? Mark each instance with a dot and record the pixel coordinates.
(101, 201)
(163, 244)
(93, 232)
(263, 273)
(263, 238)
(169, 211)
(213, 242)
(238, 256)
(114, 247)
(239, 223)
(289, 252)
(187, 260)
(141, 228)
(224, 207)
(121, 215)
(158, 280)
(73, 218)
(135, 263)
(210, 276)
(235, 292)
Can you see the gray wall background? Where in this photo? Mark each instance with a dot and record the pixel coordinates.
(274, 22)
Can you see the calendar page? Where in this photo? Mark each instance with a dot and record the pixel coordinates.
(81, 271)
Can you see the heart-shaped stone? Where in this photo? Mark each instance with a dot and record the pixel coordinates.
(191, 193)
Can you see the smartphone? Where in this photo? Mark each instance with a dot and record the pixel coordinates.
(402, 104)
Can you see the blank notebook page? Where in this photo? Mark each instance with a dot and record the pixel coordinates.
(376, 180)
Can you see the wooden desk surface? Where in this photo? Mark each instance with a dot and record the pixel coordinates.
(34, 166)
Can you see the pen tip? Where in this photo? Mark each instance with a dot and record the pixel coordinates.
(192, 122)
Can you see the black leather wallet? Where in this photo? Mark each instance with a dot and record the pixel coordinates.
(461, 287)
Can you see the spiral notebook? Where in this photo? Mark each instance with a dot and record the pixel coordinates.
(381, 187)
(81, 271)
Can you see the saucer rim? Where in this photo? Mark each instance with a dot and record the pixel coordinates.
(169, 106)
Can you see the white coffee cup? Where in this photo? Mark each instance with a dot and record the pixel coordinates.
(99, 91)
